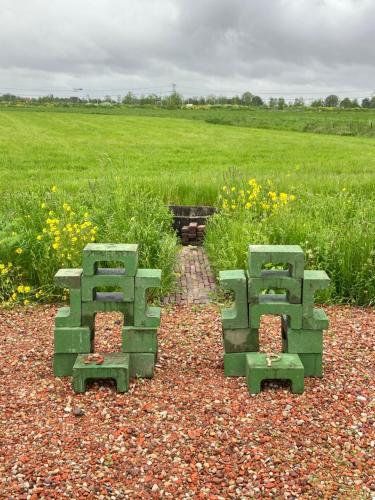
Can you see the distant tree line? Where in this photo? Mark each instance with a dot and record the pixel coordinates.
(176, 100)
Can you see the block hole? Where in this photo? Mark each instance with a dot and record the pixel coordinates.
(111, 267)
(270, 337)
(108, 331)
(272, 384)
(108, 294)
(281, 266)
(97, 384)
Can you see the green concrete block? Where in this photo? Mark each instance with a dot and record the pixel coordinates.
(318, 321)
(312, 282)
(68, 278)
(275, 280)
(139, 339)
(312, 363)
(94, 253)
(142, 364)
(237, 315)
(63, 364)
(114, 305)
(73, 340)
(276, 254)
(286, 367)
(115, 366)
(144, 315)
(235, 364)
(303, 341)
(65, 319)
(275, 305)
(105, 279)
(89, 320)
(241, 340)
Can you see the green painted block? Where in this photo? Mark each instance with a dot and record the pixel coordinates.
(286, 367)
(303, 341)
(318, 321)
(68, 278)
(89, 320)
(275, 305)
(274, 280)
(94, 253)
(65, 319)
(276, 254)
(144, 315)
(312, 282)
(115, 366)
(104, 279)
(142, 365)
(126, 308)
(63, 364)
(139, 339)
(235, 364)
(241, 340)
(73, 340)
(312, 363)
(237, 315)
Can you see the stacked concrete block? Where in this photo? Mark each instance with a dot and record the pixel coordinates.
(193, 234)
(108, 281)
(258, 292)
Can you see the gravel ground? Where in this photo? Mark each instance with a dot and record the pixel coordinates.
(189, 432)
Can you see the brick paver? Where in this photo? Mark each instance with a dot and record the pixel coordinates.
(195, 281)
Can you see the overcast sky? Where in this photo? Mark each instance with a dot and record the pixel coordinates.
(269, 47)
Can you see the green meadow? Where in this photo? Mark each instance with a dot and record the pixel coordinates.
(183, 160)
(102, 161)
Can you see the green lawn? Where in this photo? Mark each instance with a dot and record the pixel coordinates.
(184, 160)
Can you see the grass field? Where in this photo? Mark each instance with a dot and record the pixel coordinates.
(97, 159)
(183, 160)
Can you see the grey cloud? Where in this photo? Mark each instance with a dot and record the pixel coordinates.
(203, 45)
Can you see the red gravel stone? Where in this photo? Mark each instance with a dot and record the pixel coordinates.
(189, 432)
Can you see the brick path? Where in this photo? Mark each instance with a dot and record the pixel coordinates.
(195, 281)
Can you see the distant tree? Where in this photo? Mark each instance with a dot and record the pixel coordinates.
(299, 101)
(211, 99)
(346, 103)
(272, 103)
(256, 101)
(317, 103)
(366, 103)
(355, 103)
(246, 98)
(331, 101)
(129, 98)
(174, 100)
(372, 102)
(281, 104)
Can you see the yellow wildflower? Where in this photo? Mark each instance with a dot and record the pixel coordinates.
(26, 302)
(54, 189)
(19, 250)
(43, 205)
(55, 245)
(39, 237)
(20, 289)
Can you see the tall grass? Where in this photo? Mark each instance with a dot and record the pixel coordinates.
(337, 233)
(48, 230)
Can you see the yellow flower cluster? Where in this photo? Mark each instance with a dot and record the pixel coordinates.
(10, 291)
(67, 234)
(253, 197)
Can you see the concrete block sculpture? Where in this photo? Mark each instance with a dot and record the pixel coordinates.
(74, 333)
(302, 324)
